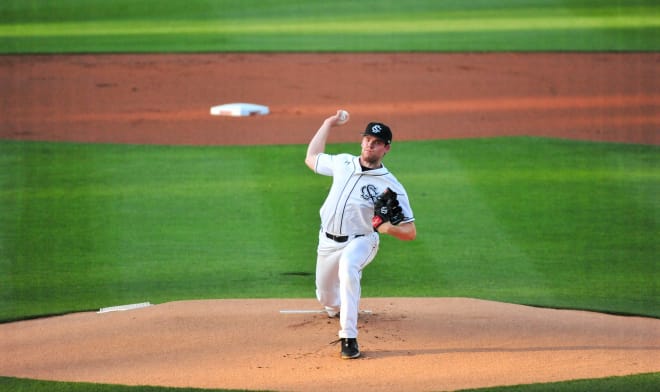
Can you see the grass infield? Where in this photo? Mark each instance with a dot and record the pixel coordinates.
(525, 220)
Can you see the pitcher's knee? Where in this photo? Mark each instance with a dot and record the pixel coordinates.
(349, 274)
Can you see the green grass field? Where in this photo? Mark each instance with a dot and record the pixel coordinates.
(638, 383)
(344, 25)
(526, 220)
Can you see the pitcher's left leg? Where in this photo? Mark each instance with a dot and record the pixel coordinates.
(357, 255)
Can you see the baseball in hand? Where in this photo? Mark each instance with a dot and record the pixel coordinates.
(342, 117)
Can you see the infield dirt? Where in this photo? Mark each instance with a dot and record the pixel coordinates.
(166, 99)
(408, 344)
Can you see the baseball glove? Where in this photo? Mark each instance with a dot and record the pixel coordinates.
(386, 209)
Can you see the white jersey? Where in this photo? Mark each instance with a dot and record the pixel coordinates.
(349, 207)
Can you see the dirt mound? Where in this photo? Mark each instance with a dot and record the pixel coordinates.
(408, 344)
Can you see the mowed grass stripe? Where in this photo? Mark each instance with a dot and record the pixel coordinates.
(336, 26)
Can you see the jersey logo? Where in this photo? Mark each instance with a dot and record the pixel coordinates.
(369, 192)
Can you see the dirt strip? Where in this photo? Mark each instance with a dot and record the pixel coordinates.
(166, 99)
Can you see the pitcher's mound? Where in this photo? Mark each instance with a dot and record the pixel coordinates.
(408, 344)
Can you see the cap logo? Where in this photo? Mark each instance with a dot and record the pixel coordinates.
(376, 128)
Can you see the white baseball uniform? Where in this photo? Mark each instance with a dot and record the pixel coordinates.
(347, 240)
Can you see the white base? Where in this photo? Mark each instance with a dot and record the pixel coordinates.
(239, 110)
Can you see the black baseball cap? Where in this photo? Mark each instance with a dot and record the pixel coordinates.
(380, 131)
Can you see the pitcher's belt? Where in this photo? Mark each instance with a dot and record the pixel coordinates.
(341, 238)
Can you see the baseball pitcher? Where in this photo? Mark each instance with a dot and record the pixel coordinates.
(365, 200)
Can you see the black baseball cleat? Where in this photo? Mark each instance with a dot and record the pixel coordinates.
(349, 348)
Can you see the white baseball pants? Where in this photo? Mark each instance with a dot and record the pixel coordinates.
(338, 273)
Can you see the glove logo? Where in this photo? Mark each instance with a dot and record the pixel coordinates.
(376, 129)
(369, 192)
